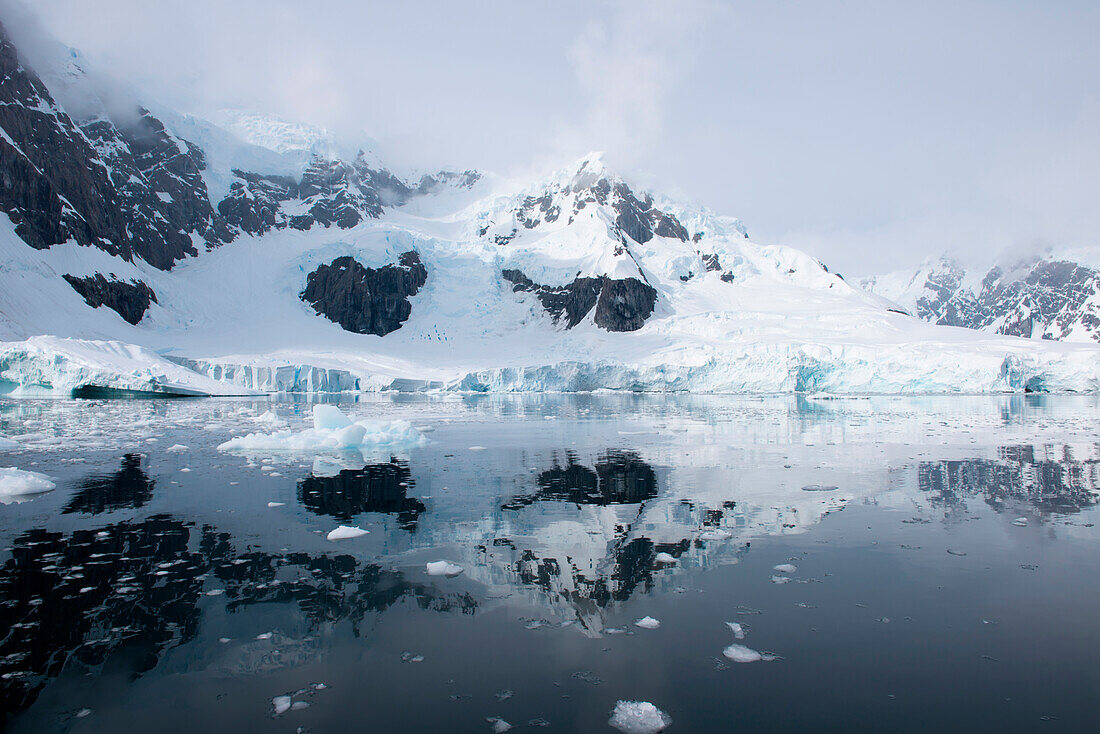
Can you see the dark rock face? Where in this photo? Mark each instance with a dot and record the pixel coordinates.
(130, 300)
(365, 300)
(335, 192)
(621, 304)
(126, 187)
(374, 488)
(1042, 298)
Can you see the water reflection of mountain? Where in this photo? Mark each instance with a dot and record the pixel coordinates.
(587, 538)
(129, 487)
(619, 478)
(126, 593)
(374, 488)
(1051, 480)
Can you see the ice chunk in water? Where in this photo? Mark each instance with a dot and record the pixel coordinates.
(269, 419)
(647, 623)
(276, 504)
(443, 568)
(329, 418)
(6, 444)
(16, 484)
(785, 568)
(716, 534)
(781, 579)
(742, 654)
(1020, 522)
(737, 630)
(665, 558)
(499, 725)
(639, 717)
(281, 704)
(178, 448)
(345, 532)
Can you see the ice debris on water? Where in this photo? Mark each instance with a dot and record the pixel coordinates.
(504, 695)
(717, 534)
(785, 568)
(742, 654)
(781, 579)
(1020, 522)
(443, 568)
(665, 558)
(178, 448)
(331, 430)
(819, 488)
(6, 444)
(499, 726)
(269, 419)
(276, 504)
(281, 704)
(344, 532)
(639, 717)
(408, 656)
(737, 629)
(647, 623)
(16, 484)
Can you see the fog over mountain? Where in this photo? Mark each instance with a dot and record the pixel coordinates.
(871, 135)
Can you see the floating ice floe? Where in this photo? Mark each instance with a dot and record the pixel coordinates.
(344, 532)
(781, 579)
(269, 419)
(717, 534)
(665, 558)
(737, 630)
(443, 568)
(742, 654)
(498, 725)
(647, 623)
(281, 704)
(639, 717)
(177, 449)
(332, 430)
(1020, 522)
(276, 504)
(17, 485)
(785, 568)
(6, 444)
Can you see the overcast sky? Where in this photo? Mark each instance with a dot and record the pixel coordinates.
(872, 134)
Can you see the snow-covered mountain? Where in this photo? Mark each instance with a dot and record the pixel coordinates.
(148, 250)
(1053, 296)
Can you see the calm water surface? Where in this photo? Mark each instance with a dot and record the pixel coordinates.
(945, 556)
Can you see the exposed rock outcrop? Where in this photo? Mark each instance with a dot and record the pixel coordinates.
(621, 304)
(127, 187)
(130, 300)
(366, 300)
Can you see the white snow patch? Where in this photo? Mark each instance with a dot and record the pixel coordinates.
(639, 717)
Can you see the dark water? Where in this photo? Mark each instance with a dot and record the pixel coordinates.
(946, 561)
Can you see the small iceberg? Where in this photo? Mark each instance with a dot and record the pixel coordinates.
(443, 568)
(647, 623)
(332, 430)
(17, 485)
(737, 630)
(345, 532)
(785, 568)
(499, 726)
(639, 717)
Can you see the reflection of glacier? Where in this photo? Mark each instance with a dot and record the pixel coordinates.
(1050, 479)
